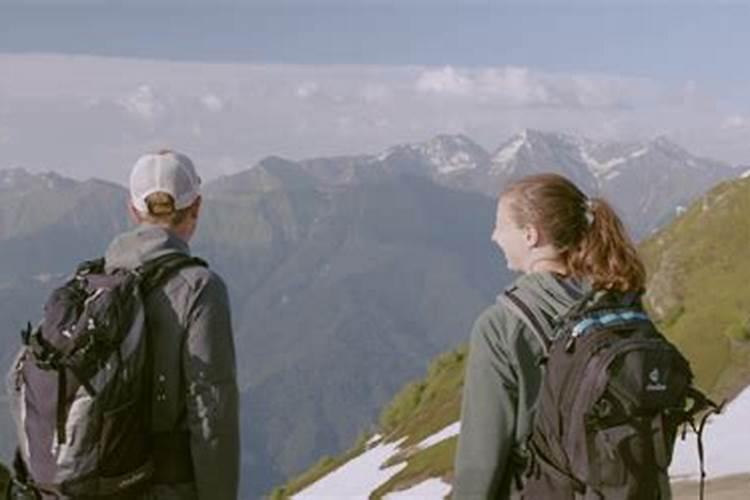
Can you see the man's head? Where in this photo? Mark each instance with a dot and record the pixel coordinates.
(165, 190)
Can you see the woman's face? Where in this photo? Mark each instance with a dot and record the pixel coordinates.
(514, 241)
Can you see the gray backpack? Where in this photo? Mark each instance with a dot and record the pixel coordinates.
(81, 386)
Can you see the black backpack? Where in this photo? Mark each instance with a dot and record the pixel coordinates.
(614, 394)
(81, 385)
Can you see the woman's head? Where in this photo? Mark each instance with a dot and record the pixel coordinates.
(546, 218)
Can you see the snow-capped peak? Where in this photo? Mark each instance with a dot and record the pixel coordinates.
(444, 153)
(529, 141)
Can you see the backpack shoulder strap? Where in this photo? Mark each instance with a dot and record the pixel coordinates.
(541, 328)
(542, 325)
(156, 271)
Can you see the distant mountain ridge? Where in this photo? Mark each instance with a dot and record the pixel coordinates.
(644, 181)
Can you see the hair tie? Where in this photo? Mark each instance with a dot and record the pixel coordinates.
(589, 211)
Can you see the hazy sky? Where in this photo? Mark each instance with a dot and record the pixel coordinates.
(676, 40)
(309, 78)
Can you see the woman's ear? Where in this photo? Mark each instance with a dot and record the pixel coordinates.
(531, 235)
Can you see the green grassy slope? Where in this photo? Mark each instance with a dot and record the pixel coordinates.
(699, 286)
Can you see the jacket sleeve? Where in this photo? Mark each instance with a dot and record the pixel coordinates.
(212, 395)
(488, 414)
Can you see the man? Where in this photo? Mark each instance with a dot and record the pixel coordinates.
(195, 422)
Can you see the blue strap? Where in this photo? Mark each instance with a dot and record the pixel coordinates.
(608, 319)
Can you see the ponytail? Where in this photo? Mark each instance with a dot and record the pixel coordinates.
(590, 237)
(605, 254)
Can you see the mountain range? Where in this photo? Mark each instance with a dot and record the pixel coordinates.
(347, 274)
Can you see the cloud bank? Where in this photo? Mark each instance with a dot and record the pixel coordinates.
(89, 116)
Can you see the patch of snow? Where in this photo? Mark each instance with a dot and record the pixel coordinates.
(745, 175)
(605, 168)
(447, 432)
(638, 153)
(458, 161)
(357, 478)
(383, 156)
(726, 441)
(433, 488)
(595, 166)
(612, 175)
(373, 440)
(447, 157)
(509, 151)
(680, 210)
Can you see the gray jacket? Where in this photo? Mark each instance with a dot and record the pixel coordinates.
(195, 388)
(503, 379)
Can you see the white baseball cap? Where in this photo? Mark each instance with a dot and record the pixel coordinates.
(167, 172)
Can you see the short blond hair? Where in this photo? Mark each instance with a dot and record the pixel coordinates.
(161, 210)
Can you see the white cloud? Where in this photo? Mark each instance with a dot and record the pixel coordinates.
(212, 103)
(444, 81)
(375, 92)
(517, 86)
(301, 111)
(735, 122)
(307, 89)
(143, 103)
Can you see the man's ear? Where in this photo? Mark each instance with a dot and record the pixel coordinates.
(195, 208)
(135, 215)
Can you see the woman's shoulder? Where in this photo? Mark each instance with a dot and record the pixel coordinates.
(498, 315)
(496, 323)
(546, 292)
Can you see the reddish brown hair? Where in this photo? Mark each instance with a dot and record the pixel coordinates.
(590, 237)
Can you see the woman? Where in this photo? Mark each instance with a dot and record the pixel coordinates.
(565, 244)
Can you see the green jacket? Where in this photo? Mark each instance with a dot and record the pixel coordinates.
(503, 378)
